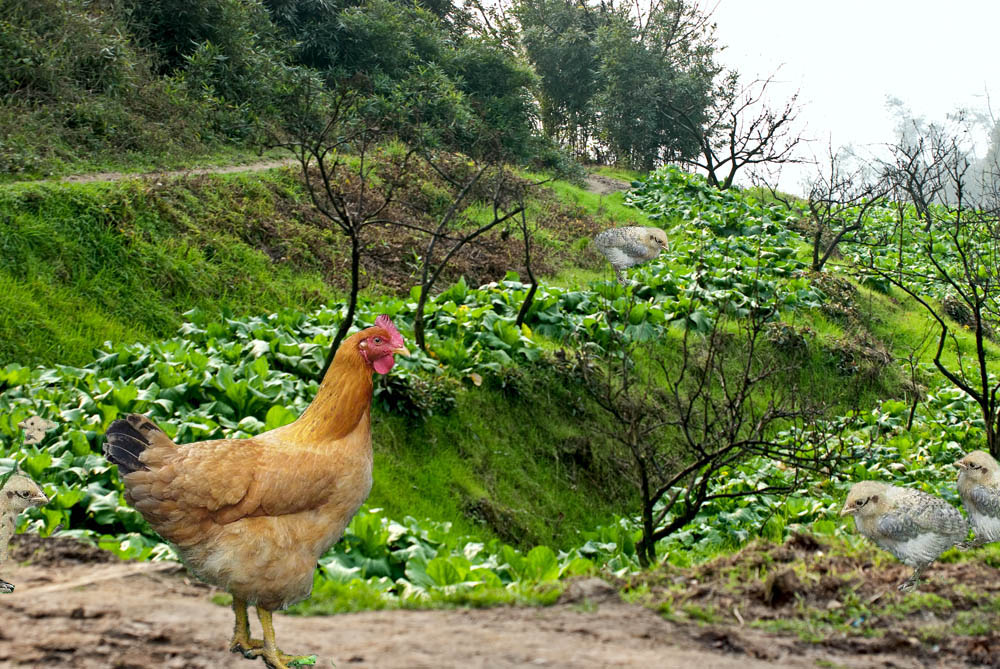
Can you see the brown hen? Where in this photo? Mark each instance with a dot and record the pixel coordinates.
(252, 516)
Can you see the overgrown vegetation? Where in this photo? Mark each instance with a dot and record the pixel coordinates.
(136, 85)
(454, 441)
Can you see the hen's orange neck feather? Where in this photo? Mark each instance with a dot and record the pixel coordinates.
(343, 399)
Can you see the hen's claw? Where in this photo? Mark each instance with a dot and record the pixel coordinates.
(5, 587)
(280, 660)
(248, 648)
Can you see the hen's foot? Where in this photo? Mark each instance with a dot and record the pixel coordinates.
(248, 648)
(5, 587)
(276, 659)
(968, 545)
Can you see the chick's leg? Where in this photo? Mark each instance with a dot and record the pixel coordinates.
(242, 643)
(271, 655)
(911, 583)
(6, 587)
(970, 545)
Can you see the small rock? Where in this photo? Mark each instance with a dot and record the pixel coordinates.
(833, 604)
(589, 589)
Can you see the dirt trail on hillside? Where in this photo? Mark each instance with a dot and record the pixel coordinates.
(78, 607)
(171, 174)
(595, 183)
(602, 185)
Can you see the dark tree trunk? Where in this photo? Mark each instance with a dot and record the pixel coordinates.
(352, 304)
(646, 548)
(526, 305)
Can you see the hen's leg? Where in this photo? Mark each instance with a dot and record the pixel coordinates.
(242, 643)
(6, 587)
(271, 655)
(911, 583)
(970, 545)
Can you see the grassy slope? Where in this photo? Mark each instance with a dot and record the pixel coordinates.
(86, 263)
(80, 264)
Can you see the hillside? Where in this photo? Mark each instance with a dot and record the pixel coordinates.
(130, 261)
(500, 489)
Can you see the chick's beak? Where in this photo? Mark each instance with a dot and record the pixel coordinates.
(846, 511)
(959, 464)
(402, 350)
(41, 499)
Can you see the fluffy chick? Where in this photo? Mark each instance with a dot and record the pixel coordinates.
(912, 525)
(634, 245)
(979, 487)
(18, 494)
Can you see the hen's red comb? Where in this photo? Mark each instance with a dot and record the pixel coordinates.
(395, 338)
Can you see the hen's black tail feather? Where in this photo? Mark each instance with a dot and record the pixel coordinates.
(125, 441)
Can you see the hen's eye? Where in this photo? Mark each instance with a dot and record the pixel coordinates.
(377, 340)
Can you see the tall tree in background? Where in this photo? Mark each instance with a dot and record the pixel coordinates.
(560, 40)
(606, 69)
(649, 56)
(453, 82)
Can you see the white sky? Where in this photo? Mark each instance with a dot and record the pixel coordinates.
(846, 57)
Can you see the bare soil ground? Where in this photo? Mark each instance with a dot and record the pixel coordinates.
(76, 606)
(173, 174)
(602, 185)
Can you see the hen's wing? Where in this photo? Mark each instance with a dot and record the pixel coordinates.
(182, 490)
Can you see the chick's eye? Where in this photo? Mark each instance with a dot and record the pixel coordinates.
(860, 502)
(23, 493)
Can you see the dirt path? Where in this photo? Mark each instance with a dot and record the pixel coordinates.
(169, 174)
(164, 620)
(596, 183)
(78, 607)
(602, 185)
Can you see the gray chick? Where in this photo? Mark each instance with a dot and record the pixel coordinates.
(912, 525)
(634, 245)
(979, 487)
(18, 494)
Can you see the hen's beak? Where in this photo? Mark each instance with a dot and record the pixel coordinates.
(402, 350)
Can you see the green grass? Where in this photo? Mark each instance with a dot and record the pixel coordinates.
(490, 465)
(142, 163)
(609, 208)
(84, 263)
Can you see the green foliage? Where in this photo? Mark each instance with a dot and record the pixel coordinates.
(604, 73)
(157, 83)
(80, 264)
(237, 376)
